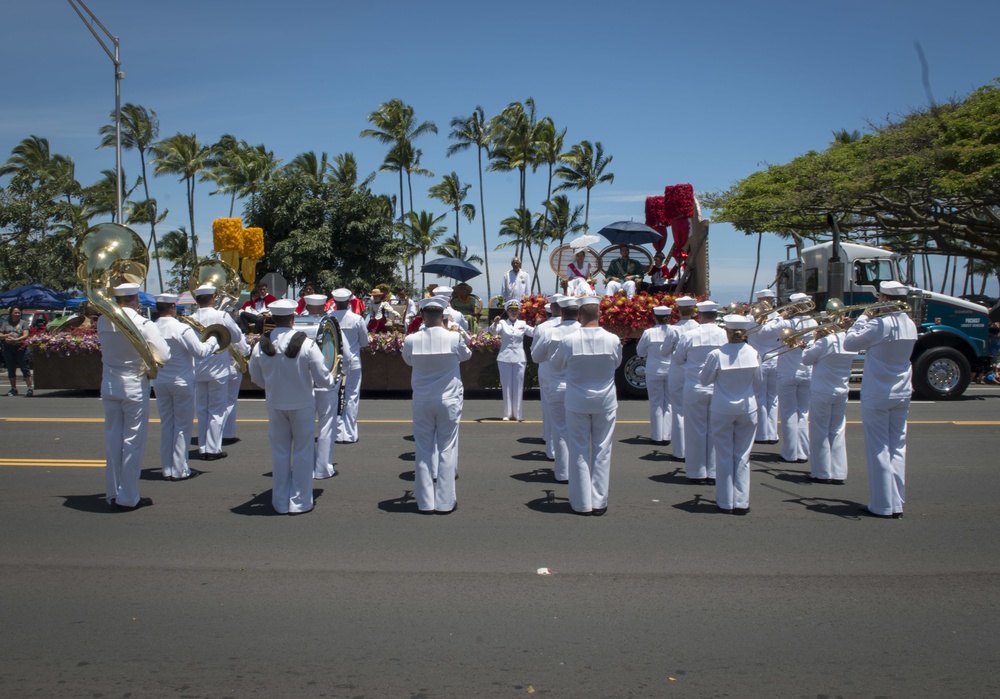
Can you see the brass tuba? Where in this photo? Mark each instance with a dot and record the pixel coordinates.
(227, 285)
(217, 330)
(107, 255)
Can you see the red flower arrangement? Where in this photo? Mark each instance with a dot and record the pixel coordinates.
(656, 212)
(678, 202)
(533, 309)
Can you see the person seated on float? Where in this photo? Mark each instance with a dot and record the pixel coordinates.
(380, 310)
(307, 289)
(253, 312)
(468, 305)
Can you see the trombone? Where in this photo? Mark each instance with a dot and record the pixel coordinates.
(801, 307)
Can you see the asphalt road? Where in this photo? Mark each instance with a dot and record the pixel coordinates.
(209, 594)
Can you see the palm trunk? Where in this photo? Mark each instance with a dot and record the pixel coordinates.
(586, 214)
(152, 218)
(753, 285)
(194, 238)
(482, 213)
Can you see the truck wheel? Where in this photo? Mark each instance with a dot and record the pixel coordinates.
(631, 375)
(941, 373)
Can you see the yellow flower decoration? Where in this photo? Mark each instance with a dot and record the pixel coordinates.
(227, 234)
(253, 243)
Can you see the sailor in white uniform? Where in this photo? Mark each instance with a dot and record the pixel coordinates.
(356, 333)
(543, 347)
(438, 396)
(511, 360)
(541, 330)
(589, 357)
(767, 397)
(453, 318)
(793, 381)
(687, 309)
(650, 346)
(326, 399)
(692, 350)
(174, 386)
(125, 396)
(212, 375)
(734, 371)
(828, 389)
(287, 365)
(885, 399)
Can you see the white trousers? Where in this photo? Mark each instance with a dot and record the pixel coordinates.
(211, 401)
(699, 457)
(590, 438)
(543, 398)
(884, 421)
(560, 435)
(175, 404)
(512, 386)
(733, 437)
(347, 422)
(828, 436)
(767, 404)
(125, 425)
(659, 407)
(675, 389)
(229, 429)
(435, 430)
(326, 415)
(793, 409)
(292, 455)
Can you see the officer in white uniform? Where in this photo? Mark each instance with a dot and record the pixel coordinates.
(438, 395)
(125, 395)
(514, 285)
(885, 399)
(287, 365)
(511, 360)
(212, 375)
(767, 397)
(541, 330)
(356, 333)
(692, 350)
(687, 309)
(452, 317)
(734, 371)
(543, 347)
(589, 357)
(174, 386)
(793, 383)
(650, 346)
(828, 389)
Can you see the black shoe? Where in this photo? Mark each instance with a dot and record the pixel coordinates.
(709, 481)
(723, 510)
(12, 392)
(214, 457)
(228, 441)
(427, 512)
(762, 441)
(446, 512)
(863, 510)
(598, 512)
(824, 481)
(801, 461)
(897, 515)
(143, 502)
(587, 513)
(30, 392)
(565, 482)
(697, 481)
(741, 511)
(837, 481)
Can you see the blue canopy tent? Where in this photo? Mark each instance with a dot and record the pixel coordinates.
(33, 296)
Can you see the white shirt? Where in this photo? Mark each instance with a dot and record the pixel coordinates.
(514, 285)
(435, 354)
(764, 344)
(288, 381)
(355, 334)
(589, 357)
(693, 349)
(543, 346)
(790, 362)
(185, 347)
(650, 346)
(734, 370)
(831, 365)
(512, 336)
(888, 343)
(216, 367)
(124, 371)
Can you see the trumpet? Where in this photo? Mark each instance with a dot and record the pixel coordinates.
(876, 310)
(783, 311)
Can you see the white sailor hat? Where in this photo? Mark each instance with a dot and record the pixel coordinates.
(554, 298)
(686, 301)
(513, 303)
(342, 294)
(765, 294)
(127, 289)
(590, 301)
(707, 306)
(282, 307)
(433, 303)
(569, 302)
(204, 290)
(799, 298)
(166, 298)
(315, 299)
(892, 288)
(662, 310)
(735, 322)
(443, 291)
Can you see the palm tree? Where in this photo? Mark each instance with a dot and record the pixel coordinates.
(239, 169)
(308, 164)
(474, 131)
(515, 133)
(585, 170)
(422, 232)
(452, 247)
(140, 127)
(344, 172)
(100, 196)
(175, 249)
(562, 219)
(524, 229)
(182, 155)
(451, 192)
(31, 159)
(845, 136)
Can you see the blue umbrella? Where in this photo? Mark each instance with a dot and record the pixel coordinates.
(451, 267)
(630, 233)
(145, 300)
(33, 296)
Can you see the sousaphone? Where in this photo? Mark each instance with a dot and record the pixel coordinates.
(227, 285)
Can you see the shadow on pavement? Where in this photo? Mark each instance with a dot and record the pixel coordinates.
(675, 477)
(155, 474)
(845, 509)
(406, 504)
(637, 440)
(408, 476)
(550, 504)
(260, 505)
(531, 440)
(539, 475)
(87, 503)
(408, 456)
(698, 506)
(533, 455)
(658, 455)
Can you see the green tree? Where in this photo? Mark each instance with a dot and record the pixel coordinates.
(174, 248)
(239, 169)
(452, 193)
(515, 133)
(452, 247)
(344, 172)
(184, 156)
(467, 132)
(310, 165)
(422, 233)
(585, 169)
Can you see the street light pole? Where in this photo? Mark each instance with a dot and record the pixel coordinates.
(78, 5)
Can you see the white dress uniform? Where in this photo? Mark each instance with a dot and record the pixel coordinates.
(511, 362)
(125, 395)
(675, 384)
(692, 350)
(734, 369)
(291, 413)
(589, 356)
(174, 385)
(650, 346)
(544, 371)
(793, 390)
(767, 395)
(356, 333)
(212, 376)
(831, 376)
(514, 285)
(543, 347)
(438, 396)
(326, 417)
(885, 403)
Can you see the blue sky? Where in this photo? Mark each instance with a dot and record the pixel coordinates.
(704, 93)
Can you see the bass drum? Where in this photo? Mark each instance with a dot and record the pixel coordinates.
(328, 341)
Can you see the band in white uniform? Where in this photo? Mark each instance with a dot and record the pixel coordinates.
(590, 357)
(734, 370)
(287, 374)
(831, 377)
(434, 353)
(174, 386)
(885, 399)
(687, 309)
(356, 333)
(767, 395)
(650, 346)
(125, 396)
(544, 371)
(511, 360)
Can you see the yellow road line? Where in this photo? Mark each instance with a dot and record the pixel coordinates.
(71, 463)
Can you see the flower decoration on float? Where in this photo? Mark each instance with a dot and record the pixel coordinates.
(253, 250)
(227, 238)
